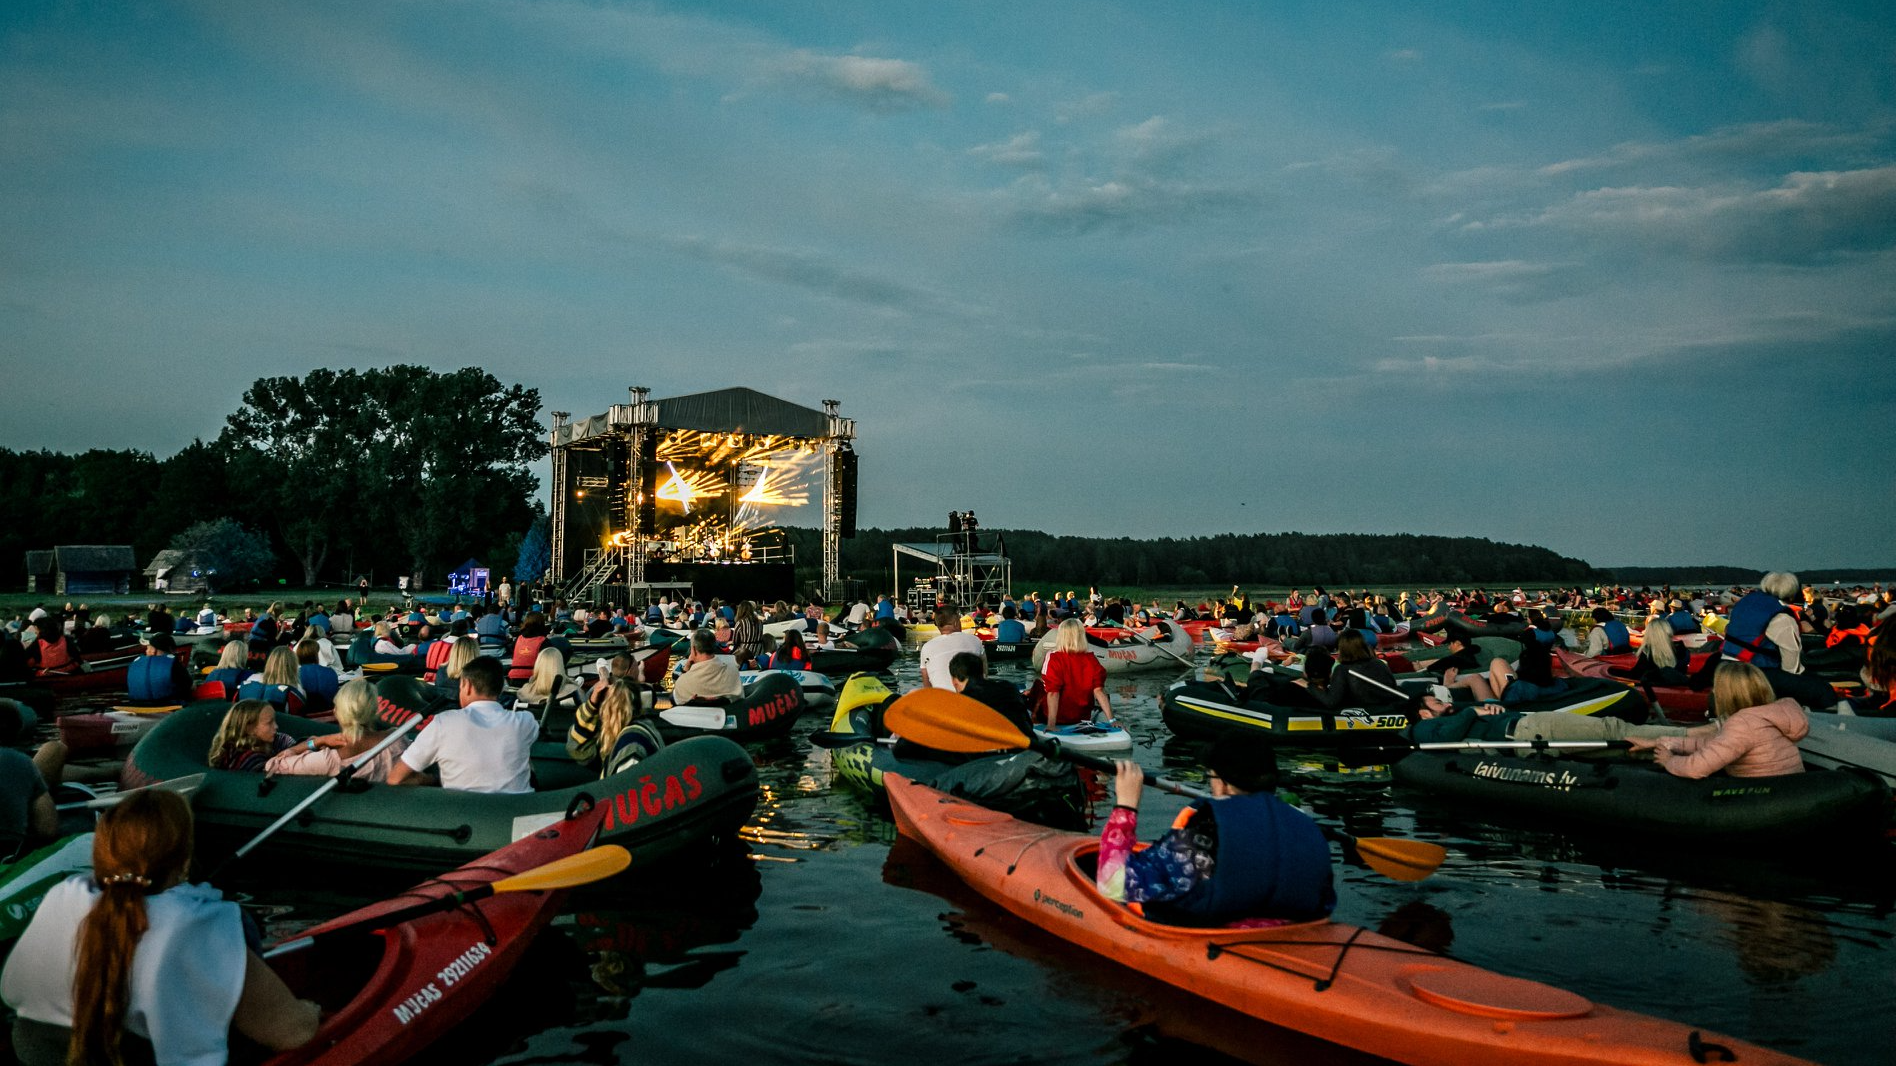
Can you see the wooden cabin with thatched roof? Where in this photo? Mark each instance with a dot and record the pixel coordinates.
(81, 569)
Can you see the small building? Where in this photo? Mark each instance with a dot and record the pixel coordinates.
(172, 570)
(81, 569)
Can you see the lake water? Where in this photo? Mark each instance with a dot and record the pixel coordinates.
(829, 941)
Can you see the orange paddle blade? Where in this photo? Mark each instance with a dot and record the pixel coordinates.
(1400, 860)
(949, 721)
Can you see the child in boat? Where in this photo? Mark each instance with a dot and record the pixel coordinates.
(248, 738)
(1756, 737)
(1243, 854)
(132, 963)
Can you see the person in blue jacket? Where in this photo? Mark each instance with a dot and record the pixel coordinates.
(158, 676)
(1010, 630)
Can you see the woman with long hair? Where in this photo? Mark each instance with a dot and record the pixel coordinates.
(448, 678)
(790, 653)
(133, 963)
(549, 683)
(1757, 733)
(747, 634)
(324, 756)
(1360, 679)
(233, 667)
(626, 733)
(1661, 660)
(1075, 681)
(247, 738)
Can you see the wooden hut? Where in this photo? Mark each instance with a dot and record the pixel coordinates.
(177, 571)
(81, 569)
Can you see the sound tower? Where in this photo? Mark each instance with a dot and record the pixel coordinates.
(648, 484)
(846, 492)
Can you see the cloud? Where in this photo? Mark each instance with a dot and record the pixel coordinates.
(879, 84)
(1786, 138)
(999, 98)
(1156, 143)
(1404, 55)
(1085, 107)
(1514, 280)
(808, 270)
(1020, 150)
(1120, 203)
(1809, 216)
(1503, 105)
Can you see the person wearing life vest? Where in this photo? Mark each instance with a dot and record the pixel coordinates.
(54, 652)
(1762, 630)
(1242, 854)
(790, 654)
(526, 649)
(1850, 631)
(157, 676)
(1609, 635)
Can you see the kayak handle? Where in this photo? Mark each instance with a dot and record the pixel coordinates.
(1701, 1049)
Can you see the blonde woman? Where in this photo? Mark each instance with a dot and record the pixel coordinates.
(385, 643)
(448, 678)
(324, 756)
(325, 649)
(623, 735)
(1662, 659)
(1074, 679)
(548, 684)
(247, 738)
(233, 667)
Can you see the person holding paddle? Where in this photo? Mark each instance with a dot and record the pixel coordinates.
(1242, 855)
(132, 963)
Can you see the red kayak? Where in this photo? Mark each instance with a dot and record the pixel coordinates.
(388, 994)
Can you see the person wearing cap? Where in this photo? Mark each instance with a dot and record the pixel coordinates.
(157, 676)
(1241, 854)
(1438, 720)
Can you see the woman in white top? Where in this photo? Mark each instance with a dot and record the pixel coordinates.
(135, 953)
(385, 641)
(324, 756)
(325, 650)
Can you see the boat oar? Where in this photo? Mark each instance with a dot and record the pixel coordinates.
(949, 721)
(183, 786)
(1142, 638)
(593, 864)
(348, 771)
(1518, 745)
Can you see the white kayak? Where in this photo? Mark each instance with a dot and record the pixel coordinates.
(1849, 740)
(1164, 646)
(1088, 737)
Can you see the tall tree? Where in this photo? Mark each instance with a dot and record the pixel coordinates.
(228, 553)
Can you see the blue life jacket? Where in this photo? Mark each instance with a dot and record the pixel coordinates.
(885, 611)
(1619, 639)
(1744, 633)
(277, 696)
(1010, 631)
(319, 681)
(1272, 862)
(229, 677)
(1286, 624)
(1026, 608)
(1682, 622)
(149, 678)
(1370, 636)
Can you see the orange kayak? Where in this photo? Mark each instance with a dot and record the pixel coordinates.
(1338, 982)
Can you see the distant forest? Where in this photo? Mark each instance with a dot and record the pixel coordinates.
(1259, 559)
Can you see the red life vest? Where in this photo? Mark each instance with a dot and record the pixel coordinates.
(55, 657)
(438, 653)
(1838, 636)
(525, 650)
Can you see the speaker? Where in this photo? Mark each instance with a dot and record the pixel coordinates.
(846, 492)
(648, 483)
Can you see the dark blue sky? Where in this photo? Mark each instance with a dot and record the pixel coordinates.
(1612, 278)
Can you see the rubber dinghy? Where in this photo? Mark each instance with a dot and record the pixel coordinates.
(1207, 710)
(689, 792)
(1624, 797)
(25, 881)
(1850, 740)
(388, 994)
(1335, 981)
(1166, 646)
(819, 689)
(1022, 782)
(772, 702)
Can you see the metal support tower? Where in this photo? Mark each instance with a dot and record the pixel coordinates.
(840, 431)
(557, 519)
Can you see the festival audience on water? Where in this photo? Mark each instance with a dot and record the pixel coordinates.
(1360, 679)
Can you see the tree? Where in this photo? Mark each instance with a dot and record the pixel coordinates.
(536, 552)
(226, 552)
(399, 465)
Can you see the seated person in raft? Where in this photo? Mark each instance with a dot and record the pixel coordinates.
(325, 756)
(707, 678)
(620, 734)
(248, 738)
(1756, 734)
(1438, 720)
(1241, 857)
(480, 747)
(969, 674)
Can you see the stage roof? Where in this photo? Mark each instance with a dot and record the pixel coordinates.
(741, 410)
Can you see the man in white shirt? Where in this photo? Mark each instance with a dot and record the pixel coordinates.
(482, 747)
(952, 642)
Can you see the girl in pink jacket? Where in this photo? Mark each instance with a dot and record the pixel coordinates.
(1757, 735)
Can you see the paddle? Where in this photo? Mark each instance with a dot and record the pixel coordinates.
(593, 864)
(1536, 745)
(1143, 639)
(348, 771)
(183, 786)
(949, 721)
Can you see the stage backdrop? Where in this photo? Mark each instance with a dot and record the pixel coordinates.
(764, 582)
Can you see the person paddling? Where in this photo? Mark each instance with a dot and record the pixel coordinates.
(132, 963)
(1242, 855)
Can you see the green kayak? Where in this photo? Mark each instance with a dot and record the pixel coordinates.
(689, 792)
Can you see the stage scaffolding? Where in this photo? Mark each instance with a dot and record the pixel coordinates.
(965, 577)
(605, 486)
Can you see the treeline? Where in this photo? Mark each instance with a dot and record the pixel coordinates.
(1745, 577)
(1260, 559)
(397, 470)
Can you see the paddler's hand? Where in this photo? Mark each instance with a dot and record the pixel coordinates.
(1128, 782)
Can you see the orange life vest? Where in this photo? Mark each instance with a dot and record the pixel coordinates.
(438, 653)
(526, 649)
(55, 657)
(1838, 636)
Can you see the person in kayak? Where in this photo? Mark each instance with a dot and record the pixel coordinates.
(1756, 735)
(480, 747)
(1438, 720)
(324, 756)
(1609, 635)
(1762, 631)
(248, 737)
(1662, 660)
(132, 963)
(280, 683)
(707, 678)
(318, 682)
(157, 676)
(1242, 856)
(1074, 679)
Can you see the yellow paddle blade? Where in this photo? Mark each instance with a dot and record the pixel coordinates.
(149, 710)
(378, 668)
(949, 721)
(593, 864)
(1400, 860)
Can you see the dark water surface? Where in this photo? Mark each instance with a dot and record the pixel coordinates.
(829, 941)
